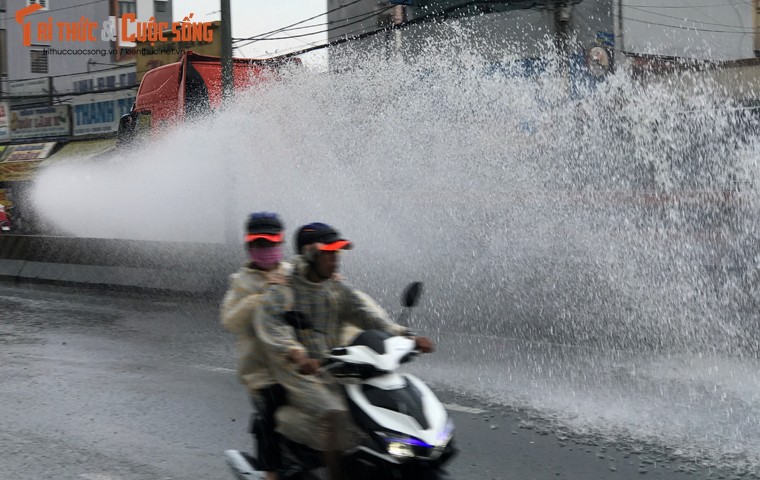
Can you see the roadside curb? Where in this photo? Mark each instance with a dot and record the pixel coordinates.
(193, 269)
(106, 277)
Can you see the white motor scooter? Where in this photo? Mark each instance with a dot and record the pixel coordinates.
(406, 432)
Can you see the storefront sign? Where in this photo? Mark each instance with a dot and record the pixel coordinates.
(5, 134)
(40, 122)
(21, 161)
(94, 114)
(22, 88)
(112, 78)
(28, 152)
(28, 92)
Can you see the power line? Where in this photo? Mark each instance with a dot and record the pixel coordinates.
(512, 15)
(692, 21)
(367, 16)
(116, 67)
(70, 94)
(272, 32)
(690, 6)
(316, 25)
(343, 38)
(692, 29)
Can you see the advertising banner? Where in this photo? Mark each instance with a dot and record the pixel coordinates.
(40, 122)
(21, 161)
(5, 133)
(93, 114)
(28, 152)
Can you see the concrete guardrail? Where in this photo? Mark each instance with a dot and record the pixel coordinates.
(192, 268)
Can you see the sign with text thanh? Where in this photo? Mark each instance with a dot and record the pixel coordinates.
(100, 113)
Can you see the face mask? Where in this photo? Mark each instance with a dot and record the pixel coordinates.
(266, 257)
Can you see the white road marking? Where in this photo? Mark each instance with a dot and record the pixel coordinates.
(97, 476)
(214, 369)
(460, 408)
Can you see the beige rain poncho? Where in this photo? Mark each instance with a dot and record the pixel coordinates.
(245, 293)
(331, 306)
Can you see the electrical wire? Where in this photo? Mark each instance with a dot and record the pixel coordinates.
(315, 25)
(692, 21)
(272, 32)
(115, 67)
(692, 29)
(690, 6)
(366, 17)
(436, 16)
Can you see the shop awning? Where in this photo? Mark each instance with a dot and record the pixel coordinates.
(19, 162)
(83, 150)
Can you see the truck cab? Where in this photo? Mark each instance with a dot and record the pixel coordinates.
(173, 93)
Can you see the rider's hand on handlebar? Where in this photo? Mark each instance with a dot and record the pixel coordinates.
(310, 366)
(424, 344)
(306, 365)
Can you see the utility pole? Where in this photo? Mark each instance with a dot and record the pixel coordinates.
(619, 49)
(230, 229)
(226, 30)
(398, 17)
(562, 16)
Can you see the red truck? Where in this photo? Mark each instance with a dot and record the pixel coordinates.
(171, 93)
(5, 221)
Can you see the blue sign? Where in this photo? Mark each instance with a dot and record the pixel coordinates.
(93, 117)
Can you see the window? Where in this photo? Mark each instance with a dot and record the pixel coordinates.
(159, 6)
(127, 6)
(39, 60)
(43, 3)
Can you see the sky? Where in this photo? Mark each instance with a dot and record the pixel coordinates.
(254, 17)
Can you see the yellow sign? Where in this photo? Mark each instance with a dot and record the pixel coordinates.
(152, 55)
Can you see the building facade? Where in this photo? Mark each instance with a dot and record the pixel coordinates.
(721, 31)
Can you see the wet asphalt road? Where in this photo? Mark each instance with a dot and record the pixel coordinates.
(105, 386)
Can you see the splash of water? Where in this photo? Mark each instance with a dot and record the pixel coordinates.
(608, 217)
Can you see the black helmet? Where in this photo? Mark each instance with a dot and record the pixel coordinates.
(263, 225)
(321, 233)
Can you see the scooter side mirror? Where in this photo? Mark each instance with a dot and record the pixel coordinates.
(412, 294)
(126, 131)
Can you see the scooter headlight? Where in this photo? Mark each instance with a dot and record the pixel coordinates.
(401, 446)
(400, 449)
